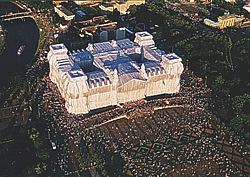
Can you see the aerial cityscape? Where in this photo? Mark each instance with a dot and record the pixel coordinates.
(125, 88)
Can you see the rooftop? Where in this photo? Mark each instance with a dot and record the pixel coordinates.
(80, 13)
(64, 10)
(144, 34)
(58, 46)
(212, 22)
(123, 58)
(81, 55)
(108, 4)
(172, 56)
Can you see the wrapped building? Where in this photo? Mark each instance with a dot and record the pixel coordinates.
(109, 73)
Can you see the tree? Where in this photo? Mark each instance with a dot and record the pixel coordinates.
(37, 142)
(132, 10)
(241, 57)
(237, 123)
(28, 172)
(238, 102)
(247, 135)
(42, 154)
(222, 113)
(209, 55)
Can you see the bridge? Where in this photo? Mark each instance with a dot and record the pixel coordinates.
(13, 16)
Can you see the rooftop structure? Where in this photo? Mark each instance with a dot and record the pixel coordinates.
(227, 20)
(63, 12)
(109, 73)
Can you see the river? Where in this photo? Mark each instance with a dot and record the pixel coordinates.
(20, 32)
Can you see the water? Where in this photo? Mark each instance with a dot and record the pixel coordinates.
(7, 7)
(19, 33)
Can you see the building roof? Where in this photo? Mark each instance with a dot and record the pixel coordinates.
(109, 73)
(97, 78)
(153, 68)
(107, 4)
(76, 72)
(58, 47)
(212, 22)
(127, 72)
(82, 55)
(64, 10)
(80, 13)
(113, 61)
(144, 35)
(172, 56)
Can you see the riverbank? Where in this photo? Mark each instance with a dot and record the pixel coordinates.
(41, 41)
(41, 36)
(18, 77)
(3, 35)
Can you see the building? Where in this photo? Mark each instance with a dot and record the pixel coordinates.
(84, 2)
(188, 1)
(106, 7)
(58, 2)
(97, 25)
(120, 33)
(231, 1)
(93, 23)
(120, 5)
(211, 23)
(63, 12)
(227, 20)
(103, 36)
(109, 73)
(247, 7)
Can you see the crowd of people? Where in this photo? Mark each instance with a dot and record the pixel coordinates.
(177, 156)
